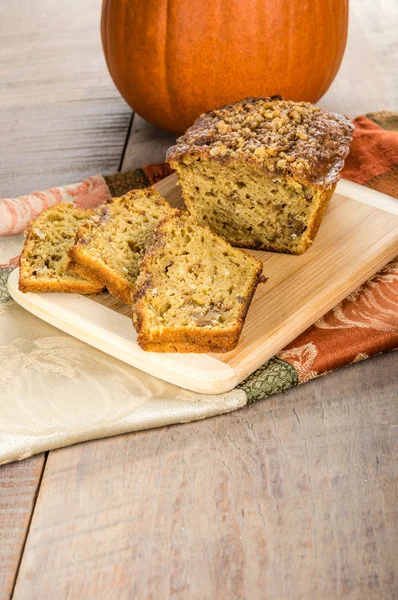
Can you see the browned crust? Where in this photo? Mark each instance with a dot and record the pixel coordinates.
(190, 341)
(317, 220)
(280, 138)
(69, 287)
(87, 267)
(80, 262)
(28, 284)
(194, 339)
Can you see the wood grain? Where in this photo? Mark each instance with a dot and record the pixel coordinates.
(19, 484)
(292, 497)
(61, 118)
(324, 461)
(146, 145)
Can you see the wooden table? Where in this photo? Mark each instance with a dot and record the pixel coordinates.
(292, 497)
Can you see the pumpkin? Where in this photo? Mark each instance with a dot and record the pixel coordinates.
(174, 59)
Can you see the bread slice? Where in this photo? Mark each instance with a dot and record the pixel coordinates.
(44, 259)
(260, 172)
(194, 289)
(111, 244)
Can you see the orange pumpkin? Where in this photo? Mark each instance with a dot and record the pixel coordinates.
(174, 59)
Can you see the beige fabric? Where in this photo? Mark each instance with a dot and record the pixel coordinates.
(56, 391)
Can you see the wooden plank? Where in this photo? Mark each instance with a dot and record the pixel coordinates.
(61, 117)
(19, 484)
(61, 120)
(146, 145)
(292, 497)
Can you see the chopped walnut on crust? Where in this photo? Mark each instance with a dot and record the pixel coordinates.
(292, 139)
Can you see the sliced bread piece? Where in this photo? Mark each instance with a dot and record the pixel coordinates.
(44, 259)
(194, 289)
(111, 244)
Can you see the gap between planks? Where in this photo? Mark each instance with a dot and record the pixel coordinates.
(10, 593)
(19, 485)
(35, 499)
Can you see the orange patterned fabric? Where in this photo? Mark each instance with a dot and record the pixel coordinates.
(374, 154)
(16, 213)
(155, 173)
(363, 324)
(366, 322)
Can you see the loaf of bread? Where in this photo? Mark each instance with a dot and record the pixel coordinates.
(194, 289)
(110, 245)
(44, 259)
(261, 172)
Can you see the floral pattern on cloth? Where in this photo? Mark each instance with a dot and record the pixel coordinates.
(56, 391)
(12, 263)
(302, 359)
(89, 193)
(362, 325)
(15, 213)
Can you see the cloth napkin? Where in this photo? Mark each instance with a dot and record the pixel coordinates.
(56, 391)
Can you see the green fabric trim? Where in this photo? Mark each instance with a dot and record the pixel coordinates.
(274, 376)
(121, 183)
(4, 273)
(384, 119)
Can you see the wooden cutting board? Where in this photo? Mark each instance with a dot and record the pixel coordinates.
(358, 236)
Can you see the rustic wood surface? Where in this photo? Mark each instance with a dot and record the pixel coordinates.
(61, 118)
(293, 497)
(19, 484)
